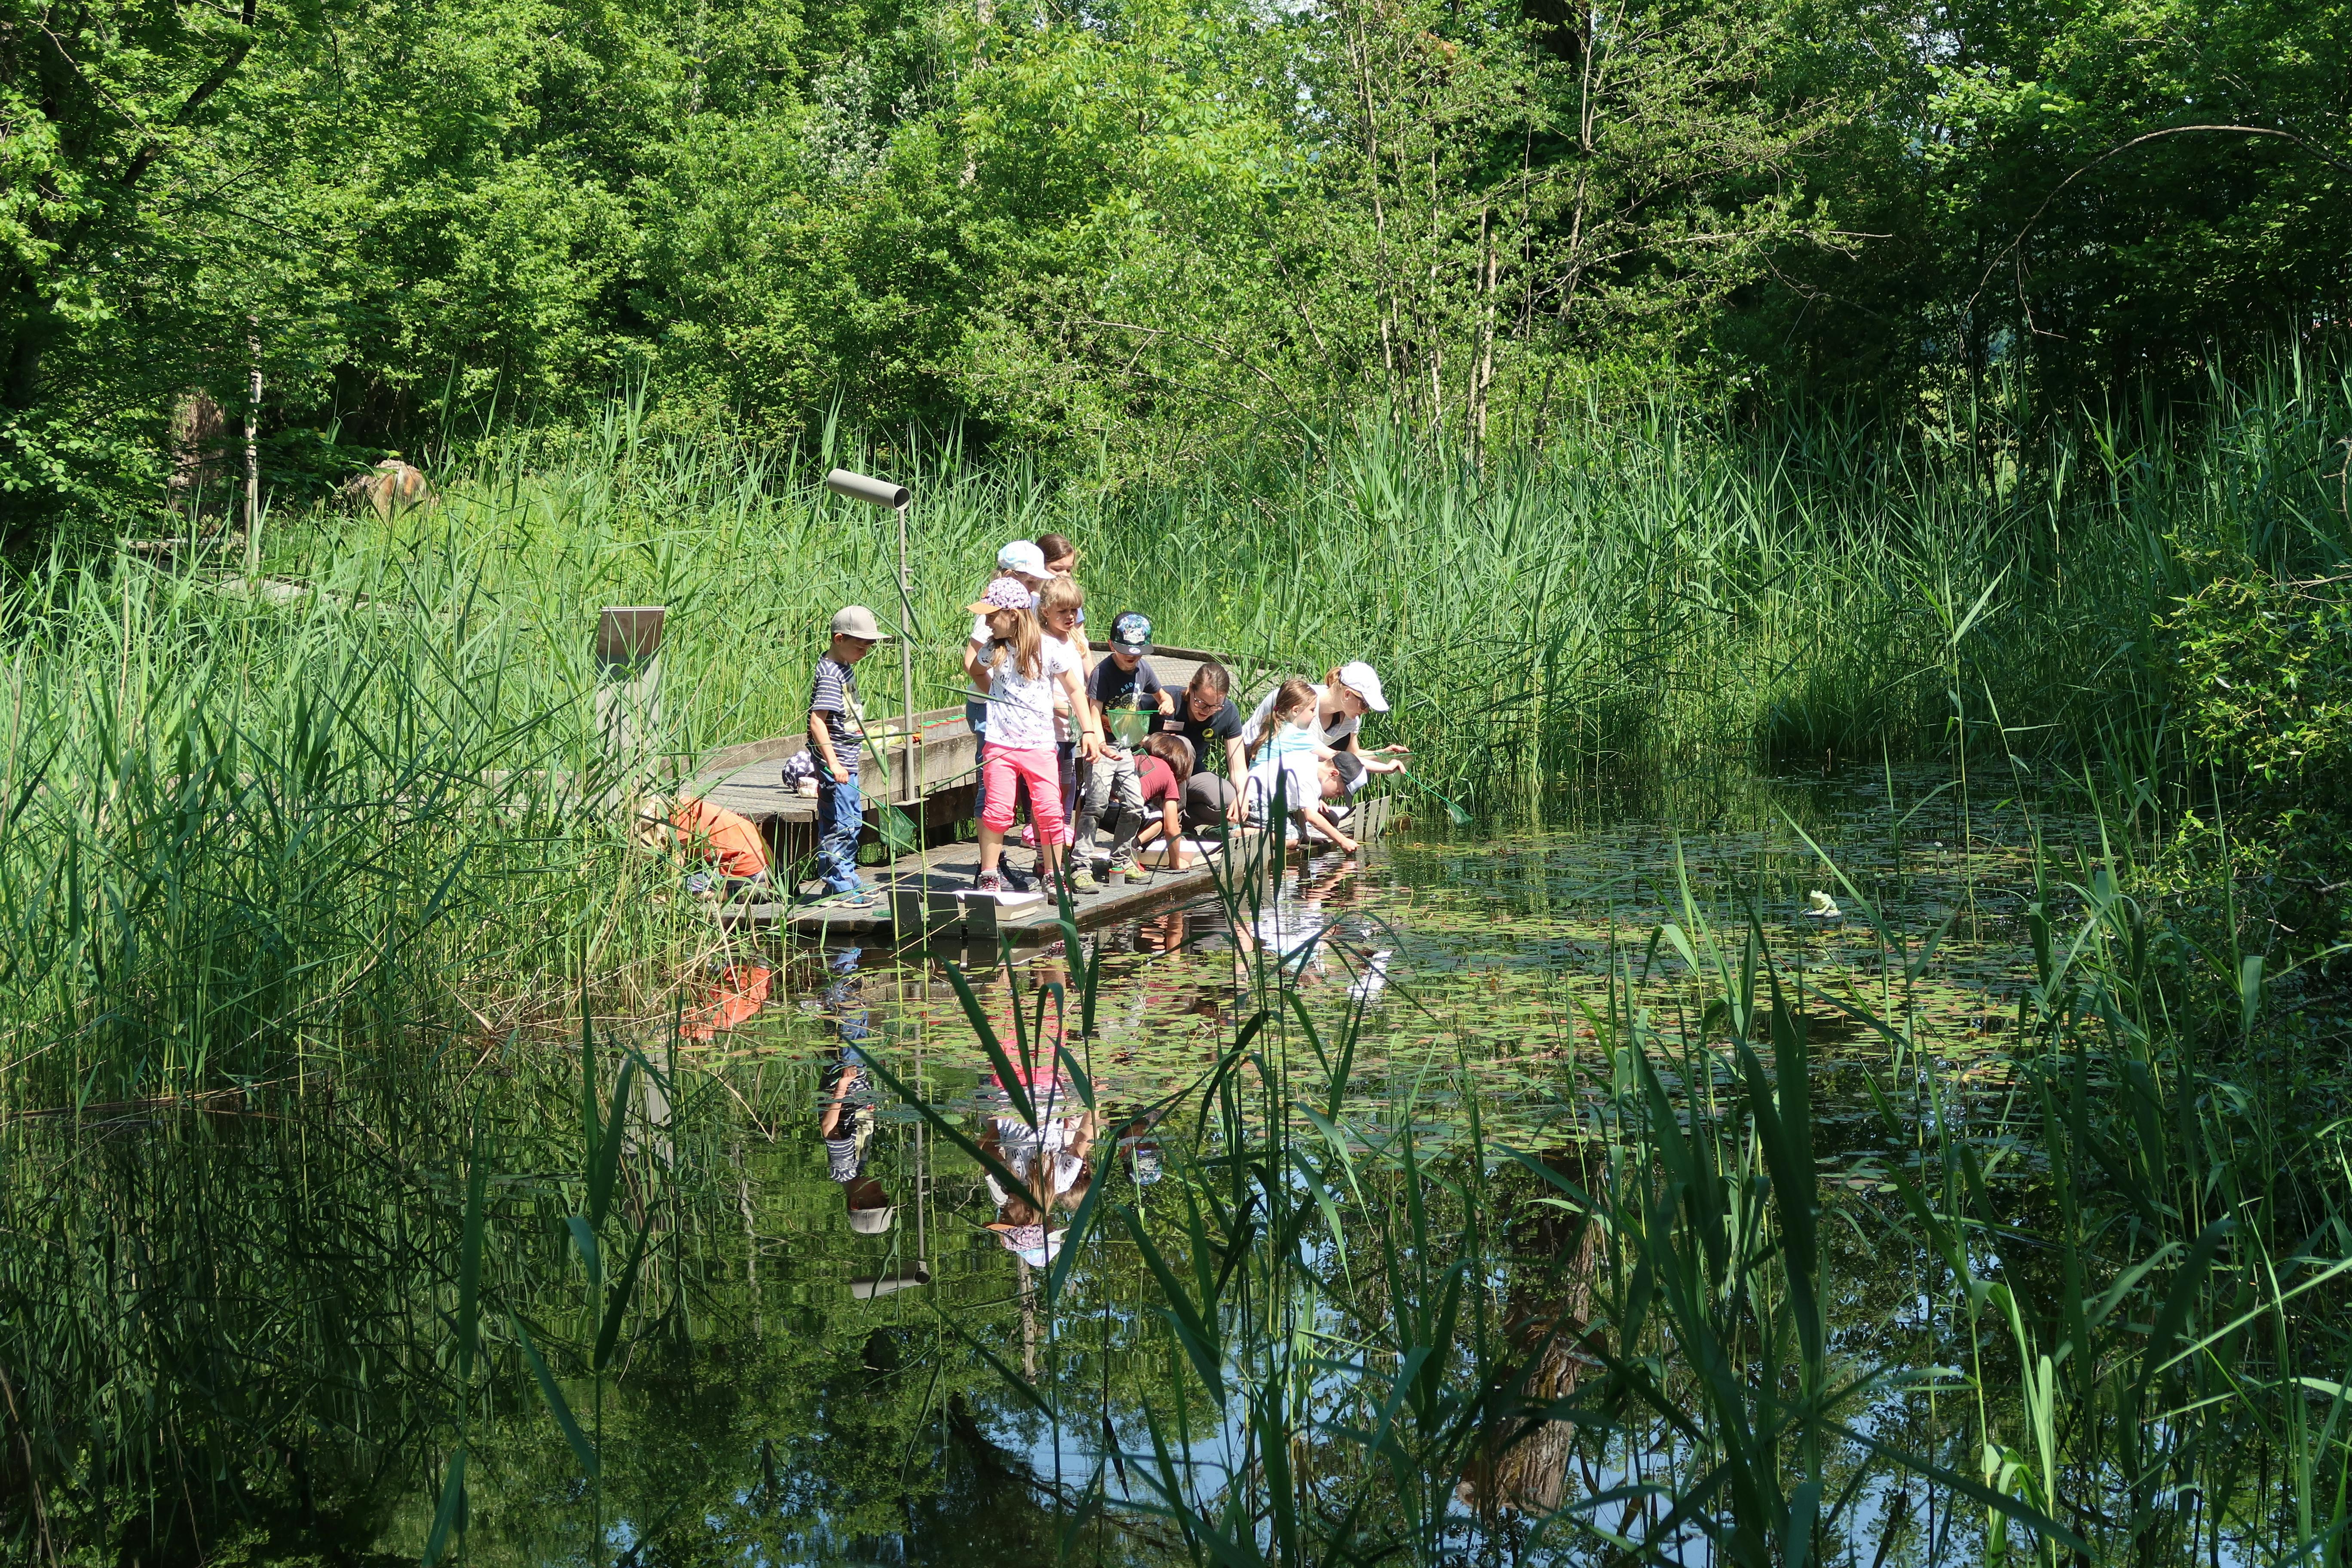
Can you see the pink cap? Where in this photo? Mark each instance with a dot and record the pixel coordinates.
(1004, 594)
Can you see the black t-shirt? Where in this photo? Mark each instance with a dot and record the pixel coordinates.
(1116, 687)
(1225, 724)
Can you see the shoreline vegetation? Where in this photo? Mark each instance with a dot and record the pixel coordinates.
(342, 857)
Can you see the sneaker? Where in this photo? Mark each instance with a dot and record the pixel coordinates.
(1082, 876)
(988, 882)
(1016, 880)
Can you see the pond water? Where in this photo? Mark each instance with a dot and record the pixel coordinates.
(247, 1326)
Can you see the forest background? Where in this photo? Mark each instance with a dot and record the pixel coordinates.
(1132, 234)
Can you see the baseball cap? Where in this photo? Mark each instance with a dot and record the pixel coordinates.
(1365, 681)
(1004, 594)
(1131, 632)
(1022, 555)
(1351, 770)
(858, 621)
(1033, 1243)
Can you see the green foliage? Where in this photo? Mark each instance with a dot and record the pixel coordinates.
(2265, 687)
(2262, 685)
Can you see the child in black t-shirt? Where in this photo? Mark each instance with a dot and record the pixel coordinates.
(1123, 683)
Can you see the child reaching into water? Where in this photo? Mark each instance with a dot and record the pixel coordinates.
(1303, 782)
(1022, 671)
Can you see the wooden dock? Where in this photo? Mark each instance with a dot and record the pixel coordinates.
(931, 894)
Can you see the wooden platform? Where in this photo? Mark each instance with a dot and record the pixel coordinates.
(933, 894)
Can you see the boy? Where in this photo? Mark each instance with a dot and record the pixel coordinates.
(836, 727)
(1124, 681)
(1305, 782)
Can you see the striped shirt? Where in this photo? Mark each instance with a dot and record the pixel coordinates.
(833, 694)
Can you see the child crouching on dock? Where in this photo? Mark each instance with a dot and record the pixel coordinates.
(1022, 671)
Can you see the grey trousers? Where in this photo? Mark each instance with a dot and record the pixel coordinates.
(1206, 797)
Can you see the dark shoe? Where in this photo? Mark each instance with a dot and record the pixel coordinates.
(1014, 880)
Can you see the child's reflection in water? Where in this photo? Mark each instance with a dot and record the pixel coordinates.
(846, 1105)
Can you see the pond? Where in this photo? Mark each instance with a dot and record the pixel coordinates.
(1347, 1230)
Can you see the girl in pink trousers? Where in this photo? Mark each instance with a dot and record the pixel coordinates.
(1022, 671)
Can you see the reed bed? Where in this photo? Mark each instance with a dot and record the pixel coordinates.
(246, 836)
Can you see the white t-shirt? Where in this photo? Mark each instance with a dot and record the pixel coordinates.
(1334, 735)
(1020, 707)
(1305, 786)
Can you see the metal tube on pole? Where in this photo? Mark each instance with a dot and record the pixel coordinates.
(883, 492)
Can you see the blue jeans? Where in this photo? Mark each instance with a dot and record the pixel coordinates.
(839, 819)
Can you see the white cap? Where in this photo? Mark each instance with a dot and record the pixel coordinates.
(1022, 555)
(1365, 681)
(858, 621)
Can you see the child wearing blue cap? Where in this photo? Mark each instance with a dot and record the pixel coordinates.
(1123, 683)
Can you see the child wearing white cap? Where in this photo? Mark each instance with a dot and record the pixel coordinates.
(1347, 694)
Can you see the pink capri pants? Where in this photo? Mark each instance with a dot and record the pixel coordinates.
(1002, 771)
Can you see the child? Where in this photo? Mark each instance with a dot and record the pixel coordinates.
(1288, 725)
(710, 833)
(846, 1124)
(1024, 563)
(1124, 682)
(1159, 774)
(1303, 781)
(1020, 670)
(837, 726)
(1061, 614)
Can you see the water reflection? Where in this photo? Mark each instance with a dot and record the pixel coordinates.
(800, 1381)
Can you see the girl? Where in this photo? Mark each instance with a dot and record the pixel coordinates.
(1022, 671)
(1287, 729)
(1061, 614)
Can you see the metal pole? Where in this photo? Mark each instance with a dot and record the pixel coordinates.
(912, 780)
(253, 458)
(910, 785)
